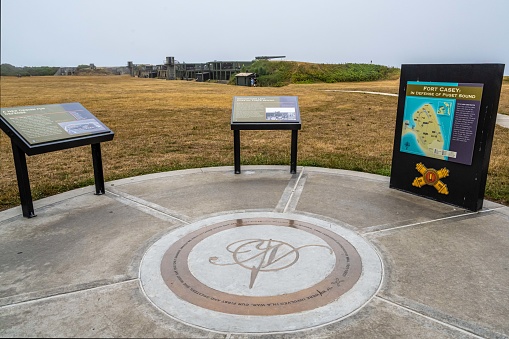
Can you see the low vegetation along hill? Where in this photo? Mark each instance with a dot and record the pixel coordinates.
(270, 73)
(10, 70)
(281, 73)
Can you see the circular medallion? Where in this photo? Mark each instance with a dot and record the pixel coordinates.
(257, 262)
(260, 272)
(431, 176)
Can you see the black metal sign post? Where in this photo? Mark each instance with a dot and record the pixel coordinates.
(47, 128)
(444, 131)
(265, 113)
(236, 150)
(25, 194)
(98, 169)
(293, 152)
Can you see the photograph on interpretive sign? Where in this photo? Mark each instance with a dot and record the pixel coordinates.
(440, 120)
(46, 123)
(280, 113)
(82, 126)
(265, 109)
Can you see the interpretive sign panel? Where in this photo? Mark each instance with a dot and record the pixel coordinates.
(265, 109)
(265, 113)
(440, 120)
(47, 128)
(444, 131)
(40, 124)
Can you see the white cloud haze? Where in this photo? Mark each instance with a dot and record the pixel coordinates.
(389, 32)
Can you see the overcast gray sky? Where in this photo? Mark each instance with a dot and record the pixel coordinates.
(388, 32)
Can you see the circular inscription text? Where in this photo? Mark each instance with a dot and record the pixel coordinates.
(275, 261)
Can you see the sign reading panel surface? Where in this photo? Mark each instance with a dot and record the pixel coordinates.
(444, 131)
(265, 110)
(48, 123)
(440, 120)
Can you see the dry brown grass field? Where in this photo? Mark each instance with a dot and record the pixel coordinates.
(164, 125)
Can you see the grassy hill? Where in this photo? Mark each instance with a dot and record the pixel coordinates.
(281, 73)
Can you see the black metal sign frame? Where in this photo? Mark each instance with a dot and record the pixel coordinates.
(444, 131)
(21, 146)
(266, 113)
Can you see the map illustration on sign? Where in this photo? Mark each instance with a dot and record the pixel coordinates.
(427, 127)
(440, 120)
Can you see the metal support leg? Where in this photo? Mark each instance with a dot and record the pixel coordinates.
(293, 161)
(236, 150)
(98, 169)
(25, 194)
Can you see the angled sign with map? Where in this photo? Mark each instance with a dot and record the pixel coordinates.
(440, 120)
(444, 131)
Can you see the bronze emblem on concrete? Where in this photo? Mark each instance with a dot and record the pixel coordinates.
(260, 272)
(259, 255)
(263, 255)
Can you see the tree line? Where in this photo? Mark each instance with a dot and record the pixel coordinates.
(10, 70)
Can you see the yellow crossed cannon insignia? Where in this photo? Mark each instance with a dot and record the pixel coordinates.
(431, 177)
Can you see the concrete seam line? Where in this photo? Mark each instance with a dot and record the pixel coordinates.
(293, 191)
(429, 318)
(292, 204)
(285, 196)
(59, 295)
(427, 222)
(145, 204)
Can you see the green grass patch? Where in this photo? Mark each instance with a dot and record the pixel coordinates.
(282, 73)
